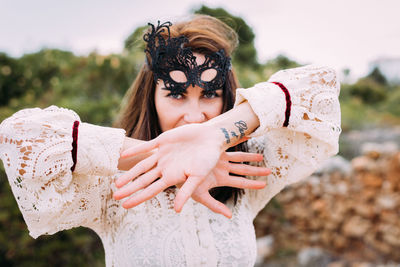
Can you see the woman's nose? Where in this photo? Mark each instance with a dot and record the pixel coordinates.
(194, 113)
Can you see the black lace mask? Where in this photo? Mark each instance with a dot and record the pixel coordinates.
(170, 60)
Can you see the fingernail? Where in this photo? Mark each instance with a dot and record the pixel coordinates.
(128, 206)
(177, 210)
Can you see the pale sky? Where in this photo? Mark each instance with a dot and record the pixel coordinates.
(337, 33)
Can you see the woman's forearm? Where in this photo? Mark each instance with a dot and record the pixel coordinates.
(229, 127)
(235, 124)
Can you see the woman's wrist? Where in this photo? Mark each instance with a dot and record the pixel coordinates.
(233, 126)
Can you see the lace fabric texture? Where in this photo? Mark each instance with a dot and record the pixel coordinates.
(295, 151)
(35, 146)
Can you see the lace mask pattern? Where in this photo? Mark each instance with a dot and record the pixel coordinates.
(170, 56)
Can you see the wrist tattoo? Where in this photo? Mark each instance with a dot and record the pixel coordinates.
(228, 140)
(234, 134)
(242, 127)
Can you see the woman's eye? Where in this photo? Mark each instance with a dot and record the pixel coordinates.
(211, 94)
(175, 95)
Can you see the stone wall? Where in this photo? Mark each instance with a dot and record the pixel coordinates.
(351, 212)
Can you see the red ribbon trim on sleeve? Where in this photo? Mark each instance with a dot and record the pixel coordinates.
(74, 150)
(288, 103)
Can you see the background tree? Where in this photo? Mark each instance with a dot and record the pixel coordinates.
(377, 76)
(246, 53)
(371, 89)
(12, 81)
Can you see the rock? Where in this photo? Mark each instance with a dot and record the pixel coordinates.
(336, 264)
(313, 257)
(387, 201)
(335, 164)
(355, 217)
(339, 242)
(382, 247)
(318, 205)
(352, 142)
(363, 164)
(338, 211)
(365, 210)
(361, 264)
(265, 246)
(391, 234)
(356, 226)
(340, 188)
(393, 173)
(372, 180)
(389, 217)
(376, 150)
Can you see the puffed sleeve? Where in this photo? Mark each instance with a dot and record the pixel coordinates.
(298, 129)
(35, 147)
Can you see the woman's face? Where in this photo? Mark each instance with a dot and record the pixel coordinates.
(193, 106)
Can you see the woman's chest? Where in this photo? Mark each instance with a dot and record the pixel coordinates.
(154, 235)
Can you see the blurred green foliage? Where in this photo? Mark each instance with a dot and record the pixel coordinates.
(246, 53)
(370, 102)
(94, 86)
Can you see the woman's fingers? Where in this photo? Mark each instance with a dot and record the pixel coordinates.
(137, 170)
(140, 183)
(147, 193)
(142, 148)
(244, 169)
(186, 191)
(241, 182)
(242, 156)
(207, 200)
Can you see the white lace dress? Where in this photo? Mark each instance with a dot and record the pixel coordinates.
(35, 147)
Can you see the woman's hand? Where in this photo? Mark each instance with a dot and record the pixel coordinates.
(221, 176)
(184, 156)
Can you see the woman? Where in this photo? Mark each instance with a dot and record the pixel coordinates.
(186, 81)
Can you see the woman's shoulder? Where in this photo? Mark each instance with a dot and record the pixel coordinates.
(307, 69)
(51, 111)
(24, 120)
(309, 75)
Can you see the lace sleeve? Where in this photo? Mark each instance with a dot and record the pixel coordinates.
(294, 151)
(35, 147)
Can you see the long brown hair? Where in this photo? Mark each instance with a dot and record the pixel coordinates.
(138, 115)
